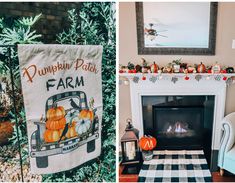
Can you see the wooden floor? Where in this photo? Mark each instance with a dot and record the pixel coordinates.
(215, 177)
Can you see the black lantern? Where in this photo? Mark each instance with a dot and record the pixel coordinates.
(129, 145)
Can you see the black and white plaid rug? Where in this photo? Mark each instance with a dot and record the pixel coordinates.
(176, 166)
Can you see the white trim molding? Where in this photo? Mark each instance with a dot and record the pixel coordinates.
(181, 87)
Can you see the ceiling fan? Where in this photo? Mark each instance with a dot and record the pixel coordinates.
(152, 33)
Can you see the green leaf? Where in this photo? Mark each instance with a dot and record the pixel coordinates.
(29, 21)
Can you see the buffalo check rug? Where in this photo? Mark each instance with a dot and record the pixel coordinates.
(176, 166)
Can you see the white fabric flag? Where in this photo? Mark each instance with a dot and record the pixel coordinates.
(62, 90)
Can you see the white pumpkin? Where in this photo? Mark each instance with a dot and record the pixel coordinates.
(71, 116)
(82, 125)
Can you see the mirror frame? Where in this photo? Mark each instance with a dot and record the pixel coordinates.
(142, 50)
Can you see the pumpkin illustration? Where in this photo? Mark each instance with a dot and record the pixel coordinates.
(147, 143)
(82, 126)
(56, 124)
(154, 68)
(52, 135)
(55, 113)
(201, 68)
(71, 131)
(86, 113)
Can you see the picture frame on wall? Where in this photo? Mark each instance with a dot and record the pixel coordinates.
(179, 28)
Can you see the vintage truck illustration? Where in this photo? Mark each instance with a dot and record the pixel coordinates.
(68, 124)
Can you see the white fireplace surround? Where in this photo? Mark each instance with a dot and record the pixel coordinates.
(181, 87)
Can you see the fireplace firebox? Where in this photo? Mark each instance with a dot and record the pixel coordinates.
(178, 127)
(179, 122)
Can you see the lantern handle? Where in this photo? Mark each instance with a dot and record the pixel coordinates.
(129, 125)
(128, 120)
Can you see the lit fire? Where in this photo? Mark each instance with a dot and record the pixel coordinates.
(177, 128)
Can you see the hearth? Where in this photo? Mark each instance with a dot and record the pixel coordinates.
(180, 122)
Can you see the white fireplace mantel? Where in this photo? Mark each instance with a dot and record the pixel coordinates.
(165, 86)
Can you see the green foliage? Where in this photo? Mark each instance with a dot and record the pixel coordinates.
(4, 68)
(19, 36)
(72, 36)
(22, 133)
(19, 32)
(29, 21)
(97, 28)
(1, 23)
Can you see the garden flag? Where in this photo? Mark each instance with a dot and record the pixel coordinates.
(63, 102)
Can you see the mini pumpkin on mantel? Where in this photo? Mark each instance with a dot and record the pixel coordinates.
(201, 68)
(154, 68)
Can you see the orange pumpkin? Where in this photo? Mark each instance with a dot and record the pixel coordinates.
(144, 143)
(86, 113)
(147, 143)
(52, 135)
(55, 113)
(201, 68)
(56, 124)
(153, 141)
(154, 68)
(71, 131)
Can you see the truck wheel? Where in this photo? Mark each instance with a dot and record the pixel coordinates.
(42, 162)
(91, 146)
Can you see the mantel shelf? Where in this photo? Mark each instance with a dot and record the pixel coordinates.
(175, 74)
(228, 78)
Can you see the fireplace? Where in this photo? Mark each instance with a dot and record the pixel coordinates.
(179, 122)
(207, 95)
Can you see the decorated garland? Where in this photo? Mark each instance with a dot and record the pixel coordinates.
(176, 70)
(176, 66)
